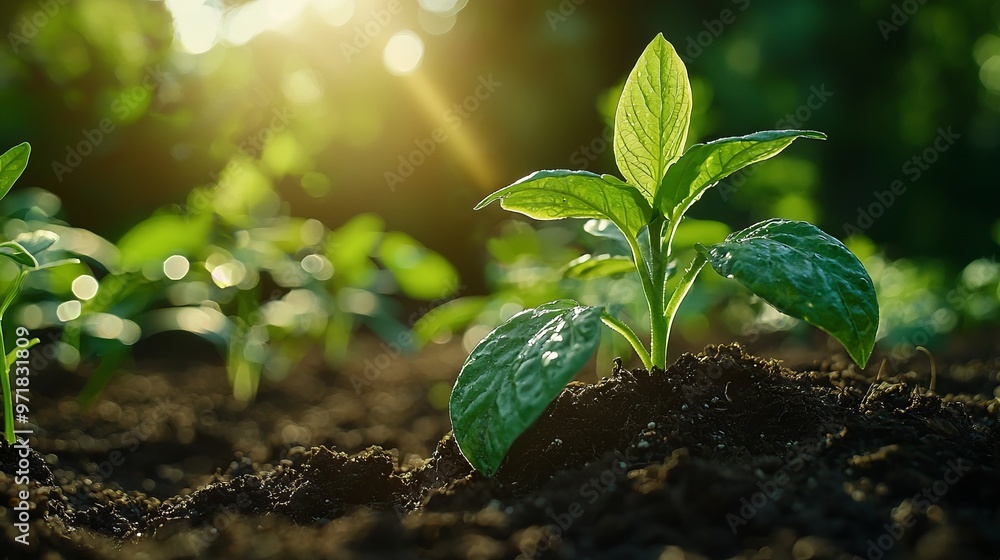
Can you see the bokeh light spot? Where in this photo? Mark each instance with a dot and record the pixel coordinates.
(196, 26)
(403, 53)
(335, 12)
(435, 23)
(84, 287)
(69, 310)
(443, 7)
(302, 86)
(989, 73)
(176, 267)
(32, 316)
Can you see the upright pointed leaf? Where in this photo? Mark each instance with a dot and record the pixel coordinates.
(804, 273)
(513, 375)
(654, 112)
(556, 194)
(704, 165)
(12, 164)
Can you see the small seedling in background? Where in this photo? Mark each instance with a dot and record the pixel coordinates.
(261, 285)
(520, 367)
(933, 383)
(22, 251)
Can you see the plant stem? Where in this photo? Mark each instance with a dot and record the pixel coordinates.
(8, 397)
(658, 328)
(667, 247)
(621, 328)
(653, 300)
(683, 287)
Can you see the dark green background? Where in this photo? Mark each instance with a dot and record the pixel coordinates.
(892, 90)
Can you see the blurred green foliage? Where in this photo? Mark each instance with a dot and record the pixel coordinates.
(263, 159)
(261, 285)
(176, 118)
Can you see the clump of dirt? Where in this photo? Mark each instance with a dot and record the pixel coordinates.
(723, 454)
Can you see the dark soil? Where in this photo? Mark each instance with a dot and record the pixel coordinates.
(722, 455)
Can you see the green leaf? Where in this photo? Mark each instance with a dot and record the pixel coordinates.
(36, 241)
(654, 112)
(54, 264)
(590, 266)
(15, 252)
(557, 194)
(691, 232)
(420, 272)
(158, 237)
(12, 164)
(704, 165)
(448, 317)
(350, 248)
(805, 273)
(12, 355)
(513, 375)
(606, 229)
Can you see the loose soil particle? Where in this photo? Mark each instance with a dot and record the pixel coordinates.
(722, 455)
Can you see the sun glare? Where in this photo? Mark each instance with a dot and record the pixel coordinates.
(200, 25)
(197, 27)
(403, 53)
(335, 12)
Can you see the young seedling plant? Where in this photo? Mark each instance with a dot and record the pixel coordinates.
(22, 250)
(520, 367)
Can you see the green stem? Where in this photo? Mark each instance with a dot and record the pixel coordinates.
(659, 325)
(628, 334)
(658, 330)
(649, 290)
(667, 246)
(683, 287)
(8, 396)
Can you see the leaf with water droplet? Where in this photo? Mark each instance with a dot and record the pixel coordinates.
(805, 273)
(515, 372)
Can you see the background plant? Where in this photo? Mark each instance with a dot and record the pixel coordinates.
(793, 265)
(263, 286)
(233, 268)
(24, 253)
